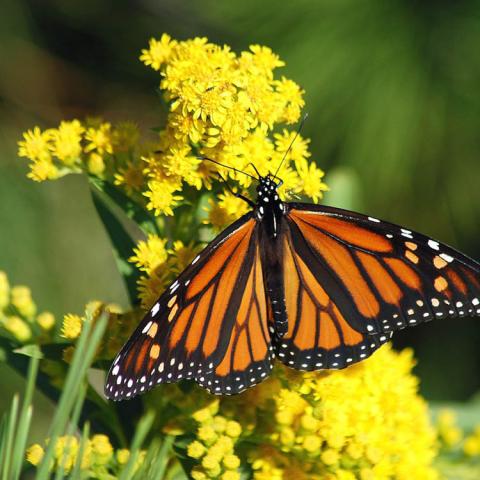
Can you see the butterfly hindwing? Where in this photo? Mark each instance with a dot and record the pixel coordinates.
(199, 320)
(318, 336)
(383, 277)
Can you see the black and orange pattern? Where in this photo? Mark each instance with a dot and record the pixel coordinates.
(319, 287)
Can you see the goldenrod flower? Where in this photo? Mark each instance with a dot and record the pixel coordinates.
(102, 449)
(158, 51)
(17, 327)
(196, 449)
(231, 462)
(35, 454)
(65, 452)
(66, 141)
(150, 254)
(46, 320)
(71, 326)
(42, 170)
(131, 177)
(99, 139)
(21, 299)
(35, 145)
(122, 456)
(162, 197)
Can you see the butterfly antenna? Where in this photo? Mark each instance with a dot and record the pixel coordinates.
(227, 166)
(299, 129)
(255, 168)
(235, 194)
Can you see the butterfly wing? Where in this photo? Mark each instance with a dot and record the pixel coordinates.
(357, 279)
(319, 335)
(211, 312)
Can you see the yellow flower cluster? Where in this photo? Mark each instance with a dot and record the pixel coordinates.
(221, 105)
(160, 265)
(99, 460)
(452, 438)
(365, 422)
(92, 146)
(18, 314)
(213, 448)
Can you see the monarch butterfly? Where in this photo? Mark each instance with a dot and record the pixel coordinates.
(315, 286)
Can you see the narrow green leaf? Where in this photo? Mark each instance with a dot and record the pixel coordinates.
(141, 432)
(77, 468)
(161, 461)
(72, 426)
(82, 358)
(24, 420)
(10, 433)
(122, 243)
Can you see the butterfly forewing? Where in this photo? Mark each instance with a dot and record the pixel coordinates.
(188, 331)
(383, 277)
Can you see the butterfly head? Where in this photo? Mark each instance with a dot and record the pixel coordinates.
(268, 202)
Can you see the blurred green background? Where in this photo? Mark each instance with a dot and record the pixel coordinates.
(393, 93)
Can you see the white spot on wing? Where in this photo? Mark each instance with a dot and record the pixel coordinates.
(147, 326)
(155, 309)
(433, 244)
(373, 219)
(446, 257)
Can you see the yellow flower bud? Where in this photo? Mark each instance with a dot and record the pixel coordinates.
(122, 456)
(312, 444)
(211, 463)
(22, 301)
(287, 436)
(198, 474)
(46, 320)
(196, 449)
(95, 164)
(207, 434)
(471, 446)
(284, 417)
(230, 475)
(231, 462)
(101, 448)
(233, 429)
(35, 454)
(355, 450)
(330, 457)
(18, 328)
(309, 423)
(219, 423)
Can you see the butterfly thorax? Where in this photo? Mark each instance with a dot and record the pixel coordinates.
(269, 208)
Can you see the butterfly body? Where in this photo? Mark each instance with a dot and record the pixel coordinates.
(316, 287)
(269, 213)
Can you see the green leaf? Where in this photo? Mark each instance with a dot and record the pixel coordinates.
(32, 351)
(146, 222)
(122, 244)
